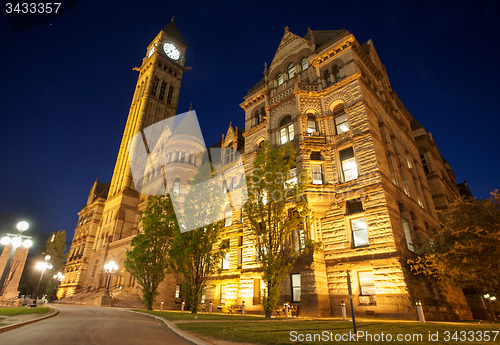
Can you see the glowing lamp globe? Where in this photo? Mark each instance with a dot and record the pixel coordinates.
(17, 241)
(27, 243)
(5, 240)
(22, 226)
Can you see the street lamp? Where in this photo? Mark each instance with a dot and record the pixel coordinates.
(16, 240)
(41, 266)
(59, 278)
(109, 268)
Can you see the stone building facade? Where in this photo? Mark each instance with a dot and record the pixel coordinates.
(377, 180)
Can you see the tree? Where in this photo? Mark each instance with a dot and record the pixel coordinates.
(466, 250)
(277, 210)
(148, 259)
(192, 253)
(55, 246)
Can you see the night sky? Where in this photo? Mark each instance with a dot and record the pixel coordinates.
(67, 85)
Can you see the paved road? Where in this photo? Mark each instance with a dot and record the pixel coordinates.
(78, 324)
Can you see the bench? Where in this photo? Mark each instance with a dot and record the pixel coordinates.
(235, 308)
(292, 310)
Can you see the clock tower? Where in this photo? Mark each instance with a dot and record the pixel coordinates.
(117, 216)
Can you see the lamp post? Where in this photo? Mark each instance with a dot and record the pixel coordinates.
(41, 266)
(16, 240)
(109, 268)
(59, 278)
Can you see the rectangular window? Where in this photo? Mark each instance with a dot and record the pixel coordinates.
(311, 125)
(256, 291)
(341, 123)
(317, 174)
(283, 135)
(225, 262)
(366, 283)
(292, 177)
(162, 91)
(228, 216)
(348, 164)
(223, 294)
(407, 231)
(353, 206)
(240, 257)
(296, 287)
(290, 132)
(178, 291)
(359, 232)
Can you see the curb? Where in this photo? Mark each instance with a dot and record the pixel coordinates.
(174, 328)
(20, 324)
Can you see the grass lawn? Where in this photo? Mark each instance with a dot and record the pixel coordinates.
(173, 316)
(256, 329)
(297, 332)
(23, 311)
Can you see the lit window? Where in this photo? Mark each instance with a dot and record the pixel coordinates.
(311, 125)
(349, 167)
(366, 283)
(224, 187)
(177, 186)
(233, 183)
(406, 229)
(359, 232)
(223, 294)
(341, 123)
(286, 132)
(292, 177)
(317, 174)
(291, 70)
(280, 79)
(178, 291)
(304, 63)
(228, 215)
(225, 262)
(296, 288)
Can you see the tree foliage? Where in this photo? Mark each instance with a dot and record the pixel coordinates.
(148, 260)
(466, 250)
(192, 253)
(55, 246)
(278, 212)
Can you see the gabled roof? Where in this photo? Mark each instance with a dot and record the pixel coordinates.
(324, 36)
(172, 31)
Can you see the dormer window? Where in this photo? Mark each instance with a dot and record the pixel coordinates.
(280, 79)
(291, 70)
(286, 132)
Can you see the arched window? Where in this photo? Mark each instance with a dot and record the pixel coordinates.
(257, 117)
(286, 132)
(177, 186)
(280, 79)
(328, 78)
(170, 94)
(228, 215)
(291, 70)
(311, 124)
(341, 123)
(162, 91)
(155, 87)
(336, 71)
(304, 63)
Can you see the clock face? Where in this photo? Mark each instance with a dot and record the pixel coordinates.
(151, 51)
(171, 51)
